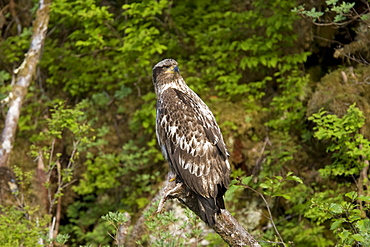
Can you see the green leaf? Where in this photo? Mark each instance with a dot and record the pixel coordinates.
(363, 225)
(295, 178)
(352, 195)
(288, 197)
(336, 224)
(335, 208)
(264, 186)
(364, 198)
(358, 237)
(331, 2)
(246, 180)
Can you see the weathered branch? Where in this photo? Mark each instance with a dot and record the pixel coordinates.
(122, 230)
(140, 228)
(24, 75)
(226, 225)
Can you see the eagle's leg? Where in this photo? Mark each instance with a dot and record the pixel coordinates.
(171, 176)
(169, 190)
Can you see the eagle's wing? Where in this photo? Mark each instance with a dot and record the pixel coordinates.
(192, 143)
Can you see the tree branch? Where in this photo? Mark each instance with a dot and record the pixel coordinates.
(226, 225)
(24, 75)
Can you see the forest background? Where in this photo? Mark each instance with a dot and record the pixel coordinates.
(288, 84)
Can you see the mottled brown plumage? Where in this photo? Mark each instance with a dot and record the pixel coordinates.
(190, 139)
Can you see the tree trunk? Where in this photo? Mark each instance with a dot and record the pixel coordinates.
(23, 77)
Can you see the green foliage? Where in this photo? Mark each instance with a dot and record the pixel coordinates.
(349, 148)
(4, 90)
(62, 238)
(271, 188)
(304, 233)
(227, 54)
(275, 186)
(144, 117)
(313, 13)
(168, 229)
(115, 218)
(341, 11)
(116, 44)
(158, 225)
(139, 30)
(71, 119)
(288, 106)
(348, 221)
(62, 120)
(108, 171)
(13, 48)
(21, 227)
(86, 225)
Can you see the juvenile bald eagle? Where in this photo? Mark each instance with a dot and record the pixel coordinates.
(191, 140)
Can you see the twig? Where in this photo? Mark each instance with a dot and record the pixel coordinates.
(51, 230)
(268, 210)
(57, 217)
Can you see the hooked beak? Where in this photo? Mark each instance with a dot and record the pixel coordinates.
(173, 69)
(176, 69)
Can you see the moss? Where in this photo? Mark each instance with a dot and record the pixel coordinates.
(341, 88)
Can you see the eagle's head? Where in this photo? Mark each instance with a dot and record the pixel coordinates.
(164, 73)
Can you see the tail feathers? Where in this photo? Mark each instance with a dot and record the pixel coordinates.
(209, 207)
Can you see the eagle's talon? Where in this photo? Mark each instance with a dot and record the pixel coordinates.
(168, 191)
(161, 204)
(173, 179)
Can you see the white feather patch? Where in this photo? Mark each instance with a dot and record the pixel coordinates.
(183, 143)
(164, 120)
(167, 86)
(172, 130)
(182, 163)
(228, 164)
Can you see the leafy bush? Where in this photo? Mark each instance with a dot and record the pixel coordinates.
(22, 227)
(344, 208)
(350, 150)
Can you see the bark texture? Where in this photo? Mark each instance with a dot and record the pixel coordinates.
(226, 225)
(23, 78)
